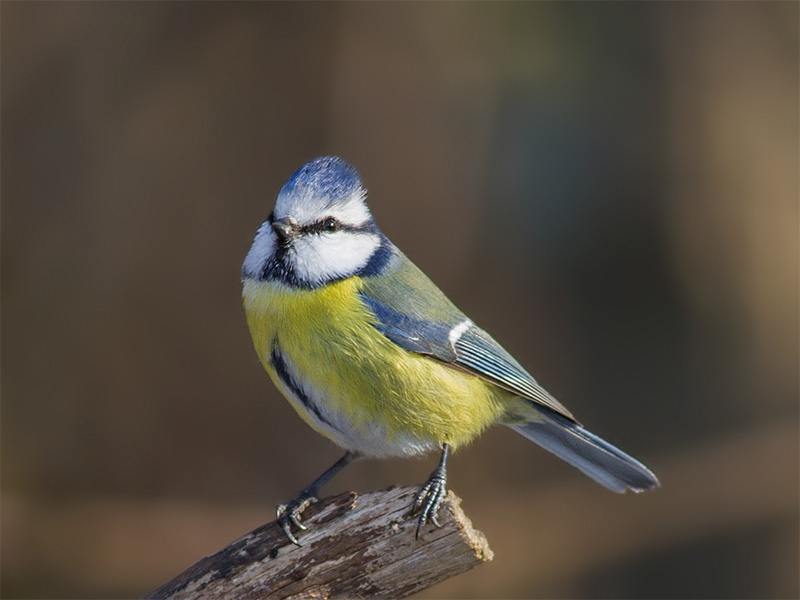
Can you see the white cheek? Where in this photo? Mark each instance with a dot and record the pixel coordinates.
(318, 258)
(263, 247)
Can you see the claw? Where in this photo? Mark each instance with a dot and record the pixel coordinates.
(434, 516)
(289, 514)
(296, 520)
(429, 500)
(431, 496)
(290, 535)
(419, 500)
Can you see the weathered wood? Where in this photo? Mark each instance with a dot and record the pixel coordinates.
(355, 547)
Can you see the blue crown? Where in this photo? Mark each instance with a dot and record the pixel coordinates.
(327, 176)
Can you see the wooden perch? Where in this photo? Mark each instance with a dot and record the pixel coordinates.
(355, 547)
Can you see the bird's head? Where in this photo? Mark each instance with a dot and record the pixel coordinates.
(320, 230)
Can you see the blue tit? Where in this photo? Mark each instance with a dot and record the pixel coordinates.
(372, 355)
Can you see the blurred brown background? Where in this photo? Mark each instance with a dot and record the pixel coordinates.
(610, 189)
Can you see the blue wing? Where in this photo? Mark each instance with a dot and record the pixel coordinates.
(412, 333)
(472, 350)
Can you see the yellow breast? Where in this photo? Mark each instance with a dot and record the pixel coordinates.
(387, 397)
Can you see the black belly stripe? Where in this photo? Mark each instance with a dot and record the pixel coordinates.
(283, 374)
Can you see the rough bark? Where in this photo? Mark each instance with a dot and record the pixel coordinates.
(356, 546)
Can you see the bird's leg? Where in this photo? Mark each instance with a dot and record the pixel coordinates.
(430, 497)
(289, 514)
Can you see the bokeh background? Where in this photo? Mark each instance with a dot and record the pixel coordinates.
(610, 189)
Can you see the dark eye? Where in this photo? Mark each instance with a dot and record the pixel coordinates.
(330, 224)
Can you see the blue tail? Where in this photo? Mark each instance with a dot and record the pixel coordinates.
(606, 464)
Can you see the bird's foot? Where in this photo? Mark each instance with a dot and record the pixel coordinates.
(289, 514)
(430, 498)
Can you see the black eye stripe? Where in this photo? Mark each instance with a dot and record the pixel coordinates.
(320, 226)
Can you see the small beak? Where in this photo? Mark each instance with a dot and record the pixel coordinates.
(284, 228)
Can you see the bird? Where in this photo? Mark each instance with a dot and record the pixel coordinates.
(373, 355)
